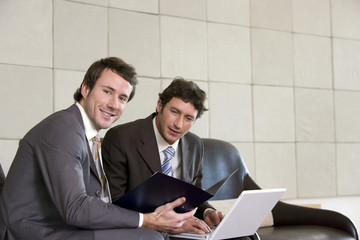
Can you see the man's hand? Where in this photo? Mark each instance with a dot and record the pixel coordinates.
(193, 225)
(165, 219)
(213, 217)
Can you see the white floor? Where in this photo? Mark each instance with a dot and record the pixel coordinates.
(348, 206)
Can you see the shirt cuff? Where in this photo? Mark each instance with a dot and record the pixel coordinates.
(204, 215)
(141, 219)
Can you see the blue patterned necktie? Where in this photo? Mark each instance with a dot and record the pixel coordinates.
(166, 166)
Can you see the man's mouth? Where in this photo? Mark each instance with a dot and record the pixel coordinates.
(173, 131)
(107, 114)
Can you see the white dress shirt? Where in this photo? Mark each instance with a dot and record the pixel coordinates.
(162, 145)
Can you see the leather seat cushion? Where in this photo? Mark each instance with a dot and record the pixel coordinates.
(302, 232)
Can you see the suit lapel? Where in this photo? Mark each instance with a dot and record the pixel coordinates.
(149, 150)
(76, 112)
(187, 158)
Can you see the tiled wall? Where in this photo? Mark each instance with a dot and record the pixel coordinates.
(282, 76)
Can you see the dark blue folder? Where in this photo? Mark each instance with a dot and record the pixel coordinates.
(160, 189)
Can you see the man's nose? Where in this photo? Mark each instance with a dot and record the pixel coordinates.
(179, 122)
(113, 103)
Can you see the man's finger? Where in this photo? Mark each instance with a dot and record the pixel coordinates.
(203, 225)
(199, 226)
(177, 202)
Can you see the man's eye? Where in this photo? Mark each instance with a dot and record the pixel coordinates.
(123, 99)
(107, 91)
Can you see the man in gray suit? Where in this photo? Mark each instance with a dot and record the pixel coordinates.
(54, 190)
(132, 152)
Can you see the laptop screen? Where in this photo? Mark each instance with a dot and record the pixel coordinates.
(245, 216)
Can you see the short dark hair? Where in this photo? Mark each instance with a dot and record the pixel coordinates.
(115, 64)
(187, 91)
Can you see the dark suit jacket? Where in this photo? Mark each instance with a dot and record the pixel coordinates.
(131, 155)
(2, 178)
(51, 188)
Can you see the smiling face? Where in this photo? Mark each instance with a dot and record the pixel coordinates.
(105, 103)
(175, 119)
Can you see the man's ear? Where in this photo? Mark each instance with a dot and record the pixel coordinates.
(158, 106)
(84, 90)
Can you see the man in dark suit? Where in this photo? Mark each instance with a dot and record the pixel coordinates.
(132, 152)
(55, 190)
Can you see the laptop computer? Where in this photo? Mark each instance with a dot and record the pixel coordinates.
(245, 216)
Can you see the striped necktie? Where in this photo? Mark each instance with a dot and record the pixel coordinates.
(96, 154)
(166, 165)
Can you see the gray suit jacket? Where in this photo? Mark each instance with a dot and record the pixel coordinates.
(52, 186)
(131, 155)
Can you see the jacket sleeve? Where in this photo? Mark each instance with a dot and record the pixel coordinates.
(65, 167)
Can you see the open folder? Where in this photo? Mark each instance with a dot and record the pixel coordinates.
(160, 189)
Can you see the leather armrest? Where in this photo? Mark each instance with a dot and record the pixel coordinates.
(289, 214)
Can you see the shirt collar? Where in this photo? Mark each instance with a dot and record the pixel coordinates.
(90, 130)
(162, 144)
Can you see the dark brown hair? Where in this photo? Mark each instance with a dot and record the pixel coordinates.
(116, 65)
(187, 91)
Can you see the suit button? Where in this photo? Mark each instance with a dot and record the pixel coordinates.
(97, 193)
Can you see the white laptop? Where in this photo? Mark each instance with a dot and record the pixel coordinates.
(245, 216)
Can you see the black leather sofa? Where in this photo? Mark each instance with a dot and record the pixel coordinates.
(290, 221)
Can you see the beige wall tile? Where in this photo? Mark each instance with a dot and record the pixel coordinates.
(346, 64)
(8, 152)
(183, 48)
(311, 16)
(312, 61)
(26, 32)
(346, 18)
(80, 34)
(229, 11)
(184, 8)
(65, 85)
(272, 14)
(150, 6)
(230, 112)
(272, 57)
(229, 53)
(275, 165)
(273, 114)
(103, 3)
(348, 166)
(29, 92)
(316, 169)
(314, 115)
(135, 38)
(347, 116)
